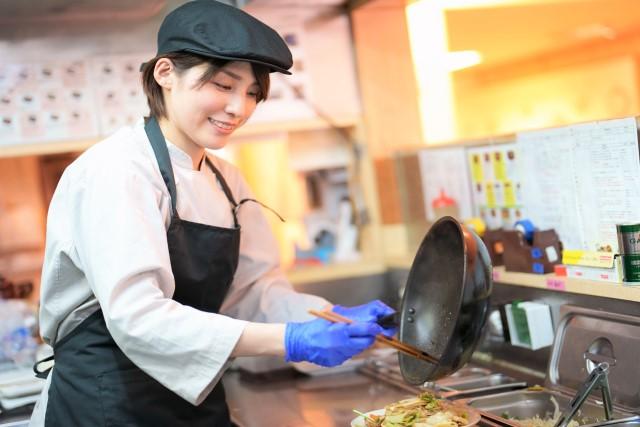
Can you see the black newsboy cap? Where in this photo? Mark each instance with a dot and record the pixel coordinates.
(214, 29)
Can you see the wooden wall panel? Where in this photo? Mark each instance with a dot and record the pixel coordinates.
(411, 192)
(22, 211)
(22, 220)
(387, 79)
(388, 191)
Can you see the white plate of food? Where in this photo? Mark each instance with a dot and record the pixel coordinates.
(424, 410)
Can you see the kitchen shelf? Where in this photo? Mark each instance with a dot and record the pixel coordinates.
(400, 262)
(547, 281)
(316, 123)
(337, 271)
(568, 284)
(251, 130)
(40, 148)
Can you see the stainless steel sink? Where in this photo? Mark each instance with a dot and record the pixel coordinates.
(522, 404)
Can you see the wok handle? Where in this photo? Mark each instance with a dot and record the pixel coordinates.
(389, 321)
(470, 246)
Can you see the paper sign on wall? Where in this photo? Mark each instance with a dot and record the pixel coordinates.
(582, 180)
(444, 176)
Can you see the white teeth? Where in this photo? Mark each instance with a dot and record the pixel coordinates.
(221, 125)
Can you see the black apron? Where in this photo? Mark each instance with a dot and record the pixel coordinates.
(95, 384)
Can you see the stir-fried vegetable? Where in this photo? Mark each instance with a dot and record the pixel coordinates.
(423, 411)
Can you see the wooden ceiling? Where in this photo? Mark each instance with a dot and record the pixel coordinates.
(514, 32)
(20, 12)
(501, 30)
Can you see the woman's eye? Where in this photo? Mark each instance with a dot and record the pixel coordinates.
(222, 86)
(253, 94)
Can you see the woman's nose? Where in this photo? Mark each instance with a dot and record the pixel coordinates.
(235, 105)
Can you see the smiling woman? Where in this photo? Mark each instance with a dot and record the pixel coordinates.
(202, 111)
(157, 272)
(182, 62)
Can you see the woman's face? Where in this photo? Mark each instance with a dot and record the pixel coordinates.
(206, 115)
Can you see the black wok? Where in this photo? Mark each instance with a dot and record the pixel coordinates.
(446, 300)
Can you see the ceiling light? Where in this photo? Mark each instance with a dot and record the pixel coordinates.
(594, 31)
(459, 60)
(474, 4)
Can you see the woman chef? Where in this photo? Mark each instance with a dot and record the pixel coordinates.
(155, 250)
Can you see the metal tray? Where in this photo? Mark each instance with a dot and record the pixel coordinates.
(466, 372)
(463, 387)
(493, 381)
(522, 404)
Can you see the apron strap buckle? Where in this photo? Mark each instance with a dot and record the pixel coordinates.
(43, 374)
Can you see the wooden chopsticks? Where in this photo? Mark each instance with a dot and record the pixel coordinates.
(391, 342)
(495, 420)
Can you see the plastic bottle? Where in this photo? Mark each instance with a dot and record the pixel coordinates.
(17, 326)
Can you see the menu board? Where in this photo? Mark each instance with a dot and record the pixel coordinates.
(495, 184)
(582, 180)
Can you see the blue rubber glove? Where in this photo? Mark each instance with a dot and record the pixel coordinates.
(369, 312)
(327, 344)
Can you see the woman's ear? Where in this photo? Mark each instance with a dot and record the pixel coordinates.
(163, 73)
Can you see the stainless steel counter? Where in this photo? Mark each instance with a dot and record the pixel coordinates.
(17, 419)
(287, 399)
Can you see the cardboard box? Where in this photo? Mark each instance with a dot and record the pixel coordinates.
(603, 266)
(539, 257)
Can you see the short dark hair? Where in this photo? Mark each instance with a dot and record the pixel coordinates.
(182, 61)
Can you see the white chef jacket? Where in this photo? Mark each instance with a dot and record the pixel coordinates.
(106, 247)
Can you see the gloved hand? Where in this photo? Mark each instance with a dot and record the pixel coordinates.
(327, 344)
(369, 312)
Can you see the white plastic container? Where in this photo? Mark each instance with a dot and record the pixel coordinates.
(531, 327)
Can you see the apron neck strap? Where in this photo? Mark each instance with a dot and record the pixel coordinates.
(161, 152)
(223, 182)
(159, 145)
(232, 200)
(225, 188)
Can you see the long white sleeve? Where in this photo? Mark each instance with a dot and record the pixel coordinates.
(106, 248)
(117, 239)
(261, 291)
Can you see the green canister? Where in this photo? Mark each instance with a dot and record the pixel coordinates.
(631, 267)
(629, 247)
(628, 238)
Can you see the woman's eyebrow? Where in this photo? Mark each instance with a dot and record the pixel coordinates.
(232, 74)
(235, 76)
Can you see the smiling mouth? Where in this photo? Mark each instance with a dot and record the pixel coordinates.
(224, 126)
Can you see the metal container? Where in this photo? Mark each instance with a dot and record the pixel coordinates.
(453, 388)
(631, 267)
(470, 383)
(622, 422)
(629, 248)
(583, 338)
(523, 404)
(467, 371)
